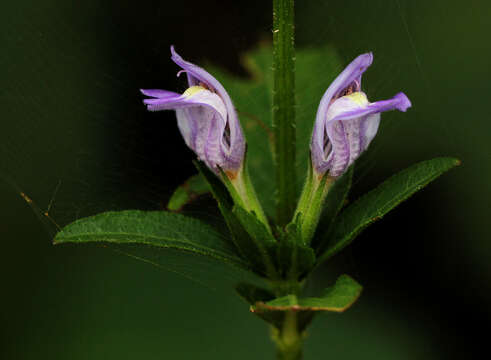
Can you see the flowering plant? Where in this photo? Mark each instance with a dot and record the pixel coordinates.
(273, 231)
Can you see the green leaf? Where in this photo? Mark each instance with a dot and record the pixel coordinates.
(376, 203)
(336, 298)
(252, 293)
(253, 226)
(225, 204)
(294, 258)
(260, 239)
(334, 202)
(193, 187)
(253, 100)
(152, 228)
(237, 219)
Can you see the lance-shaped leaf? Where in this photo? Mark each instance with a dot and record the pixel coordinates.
(152, 228)
(334, 203)
(378, 202)
(261, 240)
(294, 258)
(336, 298)
(253, 293)
(193, 187)
(250, 236)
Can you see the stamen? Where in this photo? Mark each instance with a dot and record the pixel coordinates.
(207, 87)
(353, 87)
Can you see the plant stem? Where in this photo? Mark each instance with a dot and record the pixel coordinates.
(284, 107)
(288, 339)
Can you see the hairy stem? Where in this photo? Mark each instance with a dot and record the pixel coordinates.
(284, 107)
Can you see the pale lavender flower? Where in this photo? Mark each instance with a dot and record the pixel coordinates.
(206, 118)
(346, 121)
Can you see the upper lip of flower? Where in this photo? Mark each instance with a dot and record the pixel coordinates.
(323, 142)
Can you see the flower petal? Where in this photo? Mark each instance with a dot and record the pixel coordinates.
(346, 122)
(398, 102)
(157, 93)
(369, 128)
(173, 101)
(352, 124)
(196, 75)
(201, 118)
(202, 129)
(351, 73)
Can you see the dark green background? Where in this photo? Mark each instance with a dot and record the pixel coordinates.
(71, 115)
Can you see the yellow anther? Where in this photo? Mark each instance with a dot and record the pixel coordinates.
(193, 90)
(358, 97)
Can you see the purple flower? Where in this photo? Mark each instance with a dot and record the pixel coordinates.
(346, 121)
(206, 118)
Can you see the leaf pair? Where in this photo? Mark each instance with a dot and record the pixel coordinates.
(336, 298)
(253, 247)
